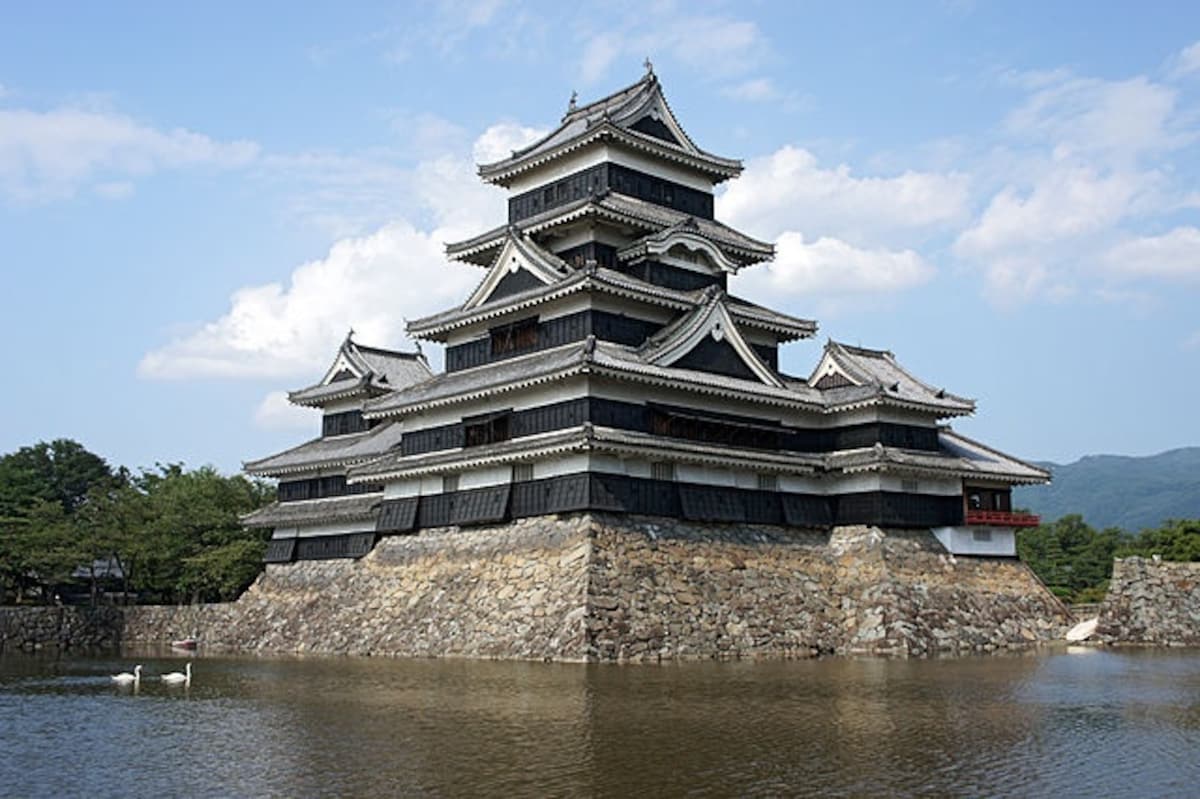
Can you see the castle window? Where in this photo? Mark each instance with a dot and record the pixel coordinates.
(515, 337)
(768, 482)
(449, 483)
(982, 536)
(910, 486)
(487, 429)
(662, 470)
(522, 472)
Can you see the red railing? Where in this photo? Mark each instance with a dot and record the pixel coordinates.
(1002, 518)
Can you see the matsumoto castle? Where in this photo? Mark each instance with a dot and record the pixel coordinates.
(602, 365)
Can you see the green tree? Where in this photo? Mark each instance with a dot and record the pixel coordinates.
(1178, 539)
(1071, 558)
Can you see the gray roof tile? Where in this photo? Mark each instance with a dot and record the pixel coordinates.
(329, 452)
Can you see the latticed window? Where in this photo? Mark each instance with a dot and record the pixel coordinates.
(768, 482)
(662, 470)
(488, 429)
(515, 337)
(522, 472)
(449, 483)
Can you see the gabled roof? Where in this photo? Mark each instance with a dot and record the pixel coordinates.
(612, 282)
(844, 370)
(686, 234)
(710, 319)
(637, 116)
(519, 252)
(358, 370)
(327, 453)
(624, 210)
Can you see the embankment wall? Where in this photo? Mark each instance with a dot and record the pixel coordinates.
(597, 587)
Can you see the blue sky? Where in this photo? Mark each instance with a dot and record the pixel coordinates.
(196, 203)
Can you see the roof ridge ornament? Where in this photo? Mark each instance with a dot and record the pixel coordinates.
(649, 65)
(572, 104)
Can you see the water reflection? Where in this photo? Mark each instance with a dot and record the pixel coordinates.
(1100, 723)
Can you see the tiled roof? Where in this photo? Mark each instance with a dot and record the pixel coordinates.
(879, 371)
(622, 362)
(373, 371)
(333, 509)
(612, 282)
(589, 438)
(959, 456)
(329, 452)
(620, 208)
(613, 117)
(487, 380)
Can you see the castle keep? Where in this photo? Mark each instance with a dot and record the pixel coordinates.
(601, 369)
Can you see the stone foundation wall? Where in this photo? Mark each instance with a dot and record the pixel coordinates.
(61, 627)
(1151, 602)
(512, 591)
(603, 587)
(663, 588)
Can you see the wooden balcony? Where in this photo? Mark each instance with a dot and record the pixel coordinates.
(1002, 518)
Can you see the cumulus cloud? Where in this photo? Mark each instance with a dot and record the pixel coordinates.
(789, 190)
(48, 155)
(829, 269)
(1066, 203)
(274, 412)
(369, 282)
(1173, 256)
(1081, 161)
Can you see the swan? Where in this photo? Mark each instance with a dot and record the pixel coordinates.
(125, 678)
(178, 677)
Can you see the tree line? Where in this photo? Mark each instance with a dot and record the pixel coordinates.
(1075, 560)
(74, 528)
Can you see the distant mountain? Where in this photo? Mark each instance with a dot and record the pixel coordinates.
(1120, 491)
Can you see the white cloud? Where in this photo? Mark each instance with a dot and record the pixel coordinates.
(1187, 61)
(710, 45)
(830, 269)
(500, 140)
(1065, 203)
(755, 90)
(48, 155)
(371, 283)
(276, 413)
(598, 56)
(1117, 120)
(115, 189)
(1173, 256)
(788, 190)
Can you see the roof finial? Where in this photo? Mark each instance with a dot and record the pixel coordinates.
(649, 65)
(350, 334)
(574, 98)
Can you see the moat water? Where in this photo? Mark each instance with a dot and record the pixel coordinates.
(1079, 722)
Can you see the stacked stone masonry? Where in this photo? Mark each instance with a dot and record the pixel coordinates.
(1152, 602)
(597, 587)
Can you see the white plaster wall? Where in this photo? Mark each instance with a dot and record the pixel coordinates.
(340, 406)
(1002, 541)
(338, 528)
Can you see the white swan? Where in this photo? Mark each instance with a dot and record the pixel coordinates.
(178, 677)
(125, 678)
